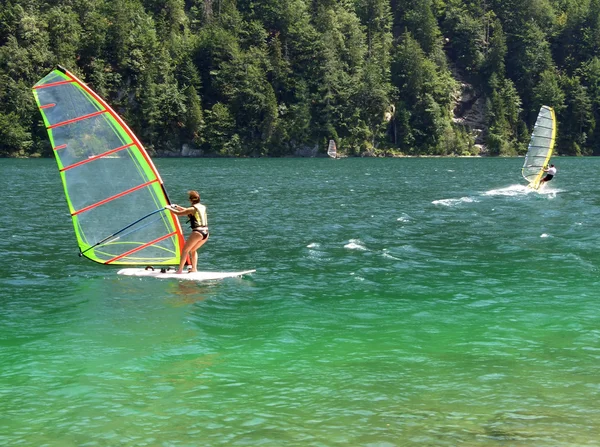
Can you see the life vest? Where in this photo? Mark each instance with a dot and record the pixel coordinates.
(198, 219)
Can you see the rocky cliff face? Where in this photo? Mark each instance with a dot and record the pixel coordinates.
(470, 111)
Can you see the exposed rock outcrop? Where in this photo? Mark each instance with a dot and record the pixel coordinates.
(469, 110)
(190, 151)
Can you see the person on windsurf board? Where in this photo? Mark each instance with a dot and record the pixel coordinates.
(198, 221)
(550, 173)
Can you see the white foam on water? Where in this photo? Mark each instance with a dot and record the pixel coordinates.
(452, 202)
(389, 256)
(511, 191)
(522, 190)
(517, 190)
(549, 191)
(355, 244)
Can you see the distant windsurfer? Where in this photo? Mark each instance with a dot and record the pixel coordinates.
(199, 223)
(550, 173)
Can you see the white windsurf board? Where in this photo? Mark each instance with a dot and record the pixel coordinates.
(170, 274)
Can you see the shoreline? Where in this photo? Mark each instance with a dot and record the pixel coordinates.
(40, 156)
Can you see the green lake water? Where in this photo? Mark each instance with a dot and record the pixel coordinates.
(397, 302)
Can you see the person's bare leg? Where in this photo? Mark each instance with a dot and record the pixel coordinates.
(194, 252)
(194, 256)
(187, 248)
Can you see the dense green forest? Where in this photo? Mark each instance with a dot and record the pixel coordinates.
(282, 77)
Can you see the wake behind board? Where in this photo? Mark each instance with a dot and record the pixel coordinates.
(170, 274)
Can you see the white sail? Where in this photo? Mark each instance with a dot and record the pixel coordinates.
(332, 149)
(540, 147)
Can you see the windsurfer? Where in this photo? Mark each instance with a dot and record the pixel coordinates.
(550, 172)
(199, 223)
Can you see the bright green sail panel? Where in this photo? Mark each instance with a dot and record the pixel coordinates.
(540, 147)
(115, 195)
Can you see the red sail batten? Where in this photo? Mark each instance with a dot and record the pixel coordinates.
(52, 84)
(94, 157)
(162, 238)
(110, 199)
(80, 118)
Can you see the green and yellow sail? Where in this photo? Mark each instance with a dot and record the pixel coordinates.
(114, 192)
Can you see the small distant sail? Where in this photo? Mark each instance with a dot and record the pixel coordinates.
(332, 149)
(540, 147)
(114, 192)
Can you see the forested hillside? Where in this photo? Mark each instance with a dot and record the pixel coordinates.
(282, 77)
